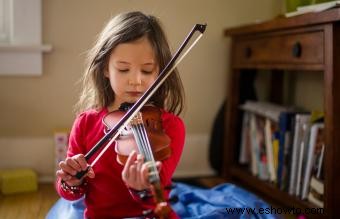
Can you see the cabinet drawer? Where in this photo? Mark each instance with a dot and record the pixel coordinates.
(298, 48)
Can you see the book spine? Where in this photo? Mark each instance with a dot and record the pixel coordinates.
(294, 158)
(269, 150)
(284, 127)
(302, 157)
(310, 159)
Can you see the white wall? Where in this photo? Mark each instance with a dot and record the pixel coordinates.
(39, 154)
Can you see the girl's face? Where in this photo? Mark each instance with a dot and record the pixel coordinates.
(132, 68)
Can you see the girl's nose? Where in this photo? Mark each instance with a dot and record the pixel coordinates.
(135, 79)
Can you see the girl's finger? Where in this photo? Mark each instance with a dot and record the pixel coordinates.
(132, 174)
(145, 175)
(130, 160)
(139, 163)
(90, 173)
(80, 159)
(72, 162)
(159, 166)
(67, 168)
(62, 175)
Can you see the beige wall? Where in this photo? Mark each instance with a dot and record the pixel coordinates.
(34, 107)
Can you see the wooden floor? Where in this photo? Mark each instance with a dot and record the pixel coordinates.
(35, 205)
(31, 205)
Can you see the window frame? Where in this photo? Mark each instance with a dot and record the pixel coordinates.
(21, 49)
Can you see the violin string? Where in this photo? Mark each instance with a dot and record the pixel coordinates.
(141, 142)
(145, 149)
(154, 175)
(135, 126)
(137, 138)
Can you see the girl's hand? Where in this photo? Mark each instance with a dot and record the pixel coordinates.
(136, 173)
(71, 166)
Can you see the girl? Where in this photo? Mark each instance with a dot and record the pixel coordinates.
(126, 59)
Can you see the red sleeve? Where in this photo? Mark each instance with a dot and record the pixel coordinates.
(69, 194)
(76, 146)
(175, 129)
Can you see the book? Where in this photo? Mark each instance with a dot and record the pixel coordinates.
(269, 128)
(276, 146)
(299, 120)
(245, 150)
(263, 159)
(317, 170)
(266, 109)
(317, 185)
(254, 145)
(319, 151)
(268, 133)
(312, 156)
(302, 151)
(318, 7)
(315, 200)
(259, 161)
(285, 120)
(314, 8)
(316, 192)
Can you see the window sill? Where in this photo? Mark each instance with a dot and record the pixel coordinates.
(22, 60)
(25, 48)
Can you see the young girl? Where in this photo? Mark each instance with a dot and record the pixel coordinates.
(126, 59)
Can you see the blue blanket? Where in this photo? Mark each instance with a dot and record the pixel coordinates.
(191, 202)
(223, 201)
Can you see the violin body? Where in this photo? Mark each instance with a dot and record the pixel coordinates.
(126, 143)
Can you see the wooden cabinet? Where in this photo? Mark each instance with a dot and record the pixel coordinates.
(300, 47)
(306, 43)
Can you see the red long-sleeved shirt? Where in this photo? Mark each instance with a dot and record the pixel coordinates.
(106, 195)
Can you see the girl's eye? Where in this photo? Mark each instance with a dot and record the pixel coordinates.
(146, 72)
(123, 70)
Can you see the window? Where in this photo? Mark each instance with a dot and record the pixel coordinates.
(4, 20)
(21, 51)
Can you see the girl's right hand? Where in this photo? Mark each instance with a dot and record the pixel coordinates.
(70, 167)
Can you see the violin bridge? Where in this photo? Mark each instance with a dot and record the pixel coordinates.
(137, 119)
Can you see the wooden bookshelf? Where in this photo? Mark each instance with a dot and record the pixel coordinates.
(306, 43)
(256, 184)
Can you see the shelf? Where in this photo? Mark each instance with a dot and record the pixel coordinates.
(268, 189)
(280, 23)
(305, 43)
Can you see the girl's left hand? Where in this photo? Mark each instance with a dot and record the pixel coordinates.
(135, 173)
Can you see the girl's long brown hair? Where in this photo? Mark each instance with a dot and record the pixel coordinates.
(126, 27)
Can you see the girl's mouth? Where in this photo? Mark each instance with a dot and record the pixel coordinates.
(134, 93)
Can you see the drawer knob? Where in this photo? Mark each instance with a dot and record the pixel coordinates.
(297, 50)
(248, 52)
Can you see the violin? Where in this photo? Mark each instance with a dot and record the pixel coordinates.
(144, 134)
(111, 135)
(143, 129)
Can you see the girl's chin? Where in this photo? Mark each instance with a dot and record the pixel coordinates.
(131, 100)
